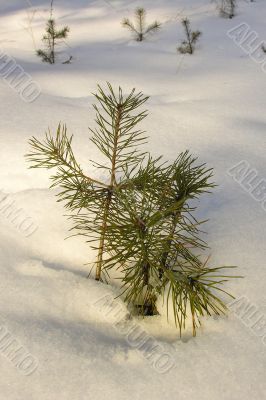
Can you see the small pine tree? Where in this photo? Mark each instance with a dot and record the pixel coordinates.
(228, 8)
(52, 38)
(140, 30)
(188, 45)
(139, 219)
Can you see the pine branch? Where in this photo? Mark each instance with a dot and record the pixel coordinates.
(155, 26)
(192, 287)
(57, 153)
(45, 57)
(116, 132)
(117, 138)
(140, 15)
(128, 24)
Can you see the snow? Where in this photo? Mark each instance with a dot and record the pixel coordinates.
(212, 103)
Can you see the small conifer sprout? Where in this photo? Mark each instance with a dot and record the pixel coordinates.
(227, 8)
(140, 219)
(52, 39)
(140, 29)
(188, 45)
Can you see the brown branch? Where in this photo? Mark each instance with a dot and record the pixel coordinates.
(109, 195)
(67, 164)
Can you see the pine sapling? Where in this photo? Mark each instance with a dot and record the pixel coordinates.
(52, 39)
(188, 45)
(140, 219)
(140, 29)
(227, 8)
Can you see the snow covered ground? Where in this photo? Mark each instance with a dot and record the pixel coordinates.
(212, 103)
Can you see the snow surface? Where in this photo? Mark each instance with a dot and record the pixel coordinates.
(212, 103)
